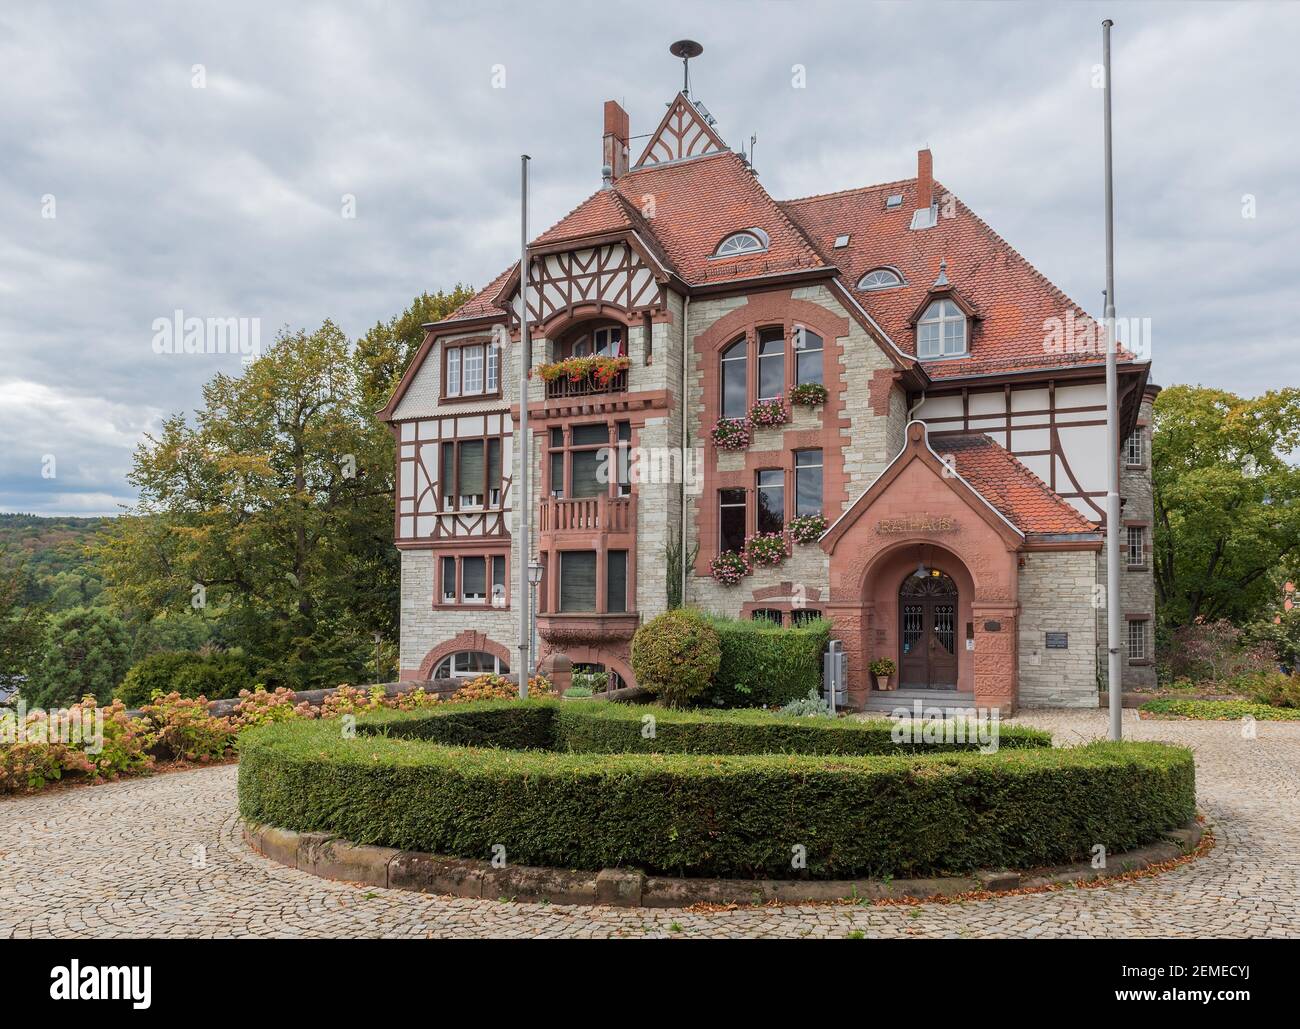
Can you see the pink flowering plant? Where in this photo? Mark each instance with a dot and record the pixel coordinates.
(769, 413)
(809, 394)
(766, 548)
(729, 567)
(805, 529)
(732, 433)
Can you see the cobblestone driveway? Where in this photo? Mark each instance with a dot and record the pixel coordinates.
(120, 860)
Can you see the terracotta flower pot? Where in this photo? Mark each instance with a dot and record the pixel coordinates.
(882, 681)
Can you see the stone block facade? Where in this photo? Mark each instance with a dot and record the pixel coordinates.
(1057, 596)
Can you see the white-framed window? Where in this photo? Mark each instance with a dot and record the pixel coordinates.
(1137, 538)
(751, 241)
(1134, 449)
(453, 372)
(941, 332)
(493, 367)
(465, 664)
(880, 278)
(1137, 640)
(473, 370)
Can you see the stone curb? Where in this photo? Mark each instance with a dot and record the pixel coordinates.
(332, 858)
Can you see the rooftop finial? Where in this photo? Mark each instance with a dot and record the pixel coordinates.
(942, 280)
(686, 49)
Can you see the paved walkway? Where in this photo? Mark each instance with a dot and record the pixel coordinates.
(164, 857)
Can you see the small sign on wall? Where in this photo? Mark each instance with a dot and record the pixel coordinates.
(1057, 640)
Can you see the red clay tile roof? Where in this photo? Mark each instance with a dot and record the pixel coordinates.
(1027, 502)
(682, 210)
(697, 203)
(1011, 296)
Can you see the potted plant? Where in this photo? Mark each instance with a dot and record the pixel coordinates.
(805, 529)
(770, 413)
(881, 670)
(809, 394)
(732, 433)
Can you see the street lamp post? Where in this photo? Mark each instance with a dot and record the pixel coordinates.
(534, 579)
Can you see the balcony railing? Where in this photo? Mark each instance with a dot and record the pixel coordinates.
(564, 388)
(587, 514)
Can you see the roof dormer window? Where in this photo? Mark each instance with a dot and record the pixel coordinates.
(880, 278)
(941, 331)
(751, 241)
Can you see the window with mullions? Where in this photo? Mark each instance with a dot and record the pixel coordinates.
(941, 332)
(465, 664)
(1137, 640)
(473, 579)
(593, 466)
(1134, 453)
(469, 472)
(1137, 538)
(471, 369)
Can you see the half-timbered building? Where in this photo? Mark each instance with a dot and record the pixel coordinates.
(956, 449)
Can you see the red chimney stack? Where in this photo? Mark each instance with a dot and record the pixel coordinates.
(615, 143)
(924, 180)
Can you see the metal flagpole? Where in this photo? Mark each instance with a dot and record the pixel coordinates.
(1114, 675)
(523, 454)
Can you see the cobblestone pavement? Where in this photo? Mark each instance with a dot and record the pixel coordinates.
(123, 860)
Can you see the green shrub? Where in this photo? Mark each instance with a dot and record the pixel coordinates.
(675, 655)
(578, 692)
(182, 729)
(189, 673)
(717, 814)
(1220, 710)
(764, 664)
(812, 706)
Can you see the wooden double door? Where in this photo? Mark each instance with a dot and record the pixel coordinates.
(927, 607)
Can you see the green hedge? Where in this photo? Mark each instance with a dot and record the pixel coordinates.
(603, 728)
(764, 664)
(724, 815)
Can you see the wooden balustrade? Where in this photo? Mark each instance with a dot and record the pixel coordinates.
(587, 514)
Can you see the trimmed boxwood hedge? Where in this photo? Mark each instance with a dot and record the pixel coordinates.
(401, 783)
(764, 664)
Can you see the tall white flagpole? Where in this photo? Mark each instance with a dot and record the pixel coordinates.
(1114, 670)
(524, 452)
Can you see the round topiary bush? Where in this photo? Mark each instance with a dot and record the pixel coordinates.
(590, 784)
(676, 655)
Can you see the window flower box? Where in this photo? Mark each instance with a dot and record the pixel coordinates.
(729, 567)
(806, 529)
(809, 394)
(601, 370)
(767, 549)
(732, 433)
(770, 413)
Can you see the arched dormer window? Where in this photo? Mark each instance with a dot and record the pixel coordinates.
(941, 331)
(880, 278)
(738, 244)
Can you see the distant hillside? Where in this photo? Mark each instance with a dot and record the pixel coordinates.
(53, 550)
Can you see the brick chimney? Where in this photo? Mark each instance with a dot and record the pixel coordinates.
(924, 179)
(615, 143)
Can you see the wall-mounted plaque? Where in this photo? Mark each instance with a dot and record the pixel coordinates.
(992, 626)
(916, 523)
(1057, 640)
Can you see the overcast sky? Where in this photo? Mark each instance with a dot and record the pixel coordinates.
(219, 192)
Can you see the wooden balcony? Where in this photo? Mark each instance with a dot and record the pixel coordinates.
(587, 516)
(565, 388)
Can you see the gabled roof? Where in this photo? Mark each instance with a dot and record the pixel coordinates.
(1027, 501)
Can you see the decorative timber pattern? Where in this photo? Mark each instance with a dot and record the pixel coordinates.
(613, 275)
(683, 133)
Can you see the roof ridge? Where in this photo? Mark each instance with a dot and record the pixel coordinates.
(846, 192)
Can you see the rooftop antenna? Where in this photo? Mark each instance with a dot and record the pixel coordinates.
(686, 49)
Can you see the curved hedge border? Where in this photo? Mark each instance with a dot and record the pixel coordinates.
(702, 814)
